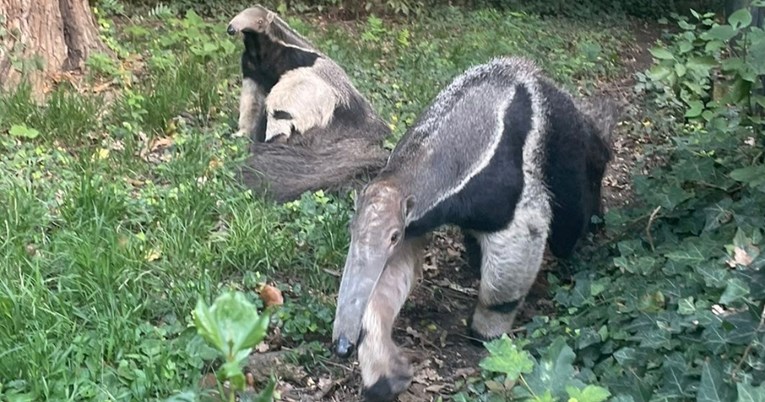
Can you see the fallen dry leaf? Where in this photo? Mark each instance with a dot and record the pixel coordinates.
(435, 388)
(163, 142)
(742, 257)
(208, 381)
(271, 296)
(153, 254)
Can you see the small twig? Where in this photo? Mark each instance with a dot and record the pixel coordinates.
(648, 226)
(749, 346)
(331, 363)
(332, 272)
(331, 388)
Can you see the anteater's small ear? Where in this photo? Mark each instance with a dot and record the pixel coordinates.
(407, 204)
(270, 17)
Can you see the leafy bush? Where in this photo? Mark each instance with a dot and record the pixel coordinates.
(551, 378)
(120, 213)
(672, 304)
(705, 73)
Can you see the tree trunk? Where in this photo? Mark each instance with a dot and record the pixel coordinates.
(39, 38)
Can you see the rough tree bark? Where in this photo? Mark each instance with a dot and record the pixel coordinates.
(54, 35)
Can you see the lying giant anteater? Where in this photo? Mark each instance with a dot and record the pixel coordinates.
(503, 154)
(311, 127)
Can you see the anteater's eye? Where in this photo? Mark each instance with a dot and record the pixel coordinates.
(394, 237)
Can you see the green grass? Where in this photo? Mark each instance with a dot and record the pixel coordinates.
(106, 244)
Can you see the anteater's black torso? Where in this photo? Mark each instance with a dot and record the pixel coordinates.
(487, 203)
(265, 61)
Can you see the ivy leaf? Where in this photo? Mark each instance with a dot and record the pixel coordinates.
(555, 371)
(712, 387)
(676, 380)
(689, 255)
(661, 53)
(505, 357)
(753, 176)
(735, 291)
(590, 393)
(740, 19)
(685, 306)
(750, 393)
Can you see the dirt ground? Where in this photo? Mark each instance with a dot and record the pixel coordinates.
(432, 327)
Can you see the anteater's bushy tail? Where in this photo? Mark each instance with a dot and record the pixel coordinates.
(604, 112)
(284, 171)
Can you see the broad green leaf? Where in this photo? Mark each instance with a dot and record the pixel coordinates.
(757, 54)
(257, 332)
(701, 64)
(680, 69)
(231, 371)
(590, 393)
(735, 291)
(661, 53)
(505, 357)
(750, 393)
(720, 32)
(206, 326)
(659, 72)
(713, 46)
(713, 387)
(232, 324)
(740, 19)
(23, 131)
(694, 109)
(545, 397)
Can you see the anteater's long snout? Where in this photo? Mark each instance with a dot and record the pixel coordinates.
(343, 347)
(362, 271)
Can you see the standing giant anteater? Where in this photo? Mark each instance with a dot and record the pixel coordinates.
(503, 154)
(311, 127)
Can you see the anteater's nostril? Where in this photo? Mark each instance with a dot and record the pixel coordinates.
(343, 347)
(230, 29)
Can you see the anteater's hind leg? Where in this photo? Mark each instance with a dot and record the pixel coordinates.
(384, 370)
(510, 261)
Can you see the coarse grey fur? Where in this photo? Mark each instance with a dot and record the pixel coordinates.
(311, 128)
(502, 153)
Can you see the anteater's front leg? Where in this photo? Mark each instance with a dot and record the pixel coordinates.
(510, 261)
(251, 109)
(385, 371)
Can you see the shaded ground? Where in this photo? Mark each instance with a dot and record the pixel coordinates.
(432, 327)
